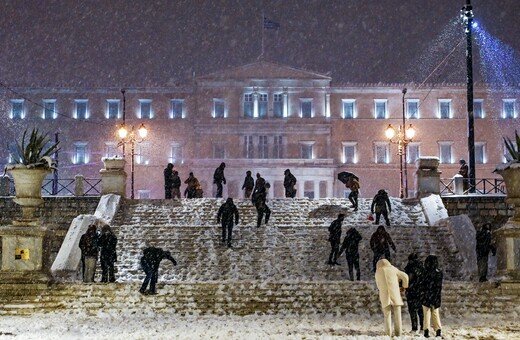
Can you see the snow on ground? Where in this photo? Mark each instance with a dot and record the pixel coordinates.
(171, 326)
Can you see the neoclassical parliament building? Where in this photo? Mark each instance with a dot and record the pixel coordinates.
(266, 118)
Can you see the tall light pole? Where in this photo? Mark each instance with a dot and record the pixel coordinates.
(405, 152)
(467, 20)
(130, 137)
(401, 137)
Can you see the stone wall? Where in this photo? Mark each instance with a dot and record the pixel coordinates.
(480, 209)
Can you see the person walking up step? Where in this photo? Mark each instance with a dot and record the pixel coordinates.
(351, 247)
(227, 213)
(335, 239)
(150, 261)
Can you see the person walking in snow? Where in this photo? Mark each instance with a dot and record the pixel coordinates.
(219, 179)
(89, 245)
(431, 286)
(335, 239)
(227, 213)
(380, 243)
(484, 246)
(108, 256)
(289, 182)
(351, 247)
(389, 279)
(168, 181)
(415, 270)
(150, 261)
(193, 188)
(382, 206)
(259, 191)
(261, 210)
(354, 192)
(176, 185)
(249, 184)
(464, 172)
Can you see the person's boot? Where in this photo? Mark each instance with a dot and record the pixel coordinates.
(426, 333)
(438, 333)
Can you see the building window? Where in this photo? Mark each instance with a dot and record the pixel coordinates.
(349, 152)
(445, 152)
(219, 151)
(80, 153)
(262, 105)
(143, 194)
(380, 108)
(111, 150)
(305, 108)
(81, 108)
(381, 153)
(145, 106)
(249, 104)
(306, 150)
(508, 108)
(142, 153)
(49, 109)
(176, 154)
(480, 153)
(278, 105)
(478, 108)
(262, 147)
(348, 108)
(17, 111)
(113, 108)
(218, 108)
(445, 108)
(248, 147)
(176, 111)
(413, 152)
(412, 108)
(278, 147)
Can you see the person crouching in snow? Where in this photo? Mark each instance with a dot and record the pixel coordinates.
(387, 281)
(150, 261)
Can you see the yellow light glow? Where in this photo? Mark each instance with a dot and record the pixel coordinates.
(410, 132)
(123, 132)
(390, 132)
(143, 132)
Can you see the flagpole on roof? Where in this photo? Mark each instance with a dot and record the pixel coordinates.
(262, 29)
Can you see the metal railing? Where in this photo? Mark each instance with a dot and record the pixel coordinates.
(66, 187)
(483, 186)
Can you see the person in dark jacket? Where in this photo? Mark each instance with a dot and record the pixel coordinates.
(335, 239)
(380, 243)
(484, 246)
(351, 247)
(289, 182)
(168, 181)
(219, 179)
(89, 245)
(261, 210)
(193, 189)
(464, 172)
(260, 190)
(354, 192)
(150, 261)
(431, 290)
(226, 214)
(107, 245)
(382, 206)
(249, 184)
(415, 270)
(176, 185)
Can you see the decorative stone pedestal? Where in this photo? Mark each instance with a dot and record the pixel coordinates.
(427, 176)
(113, 177)
(23, 254)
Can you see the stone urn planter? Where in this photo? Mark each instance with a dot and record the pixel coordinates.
(113, 163)
(510, 172)
(28, 185)
(113, 176)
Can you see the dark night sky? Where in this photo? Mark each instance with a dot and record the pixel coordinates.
(153, 43)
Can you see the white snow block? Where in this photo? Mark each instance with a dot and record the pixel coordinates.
(464, 233)
(434, 209)
(68, 259)
(107, 208)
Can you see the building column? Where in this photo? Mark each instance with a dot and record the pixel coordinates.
(255, 104)
(327, 105)
(285, 105)
(316, 188)
(330, 189)
(301, 188)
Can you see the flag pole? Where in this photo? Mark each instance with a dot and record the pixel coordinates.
(262, 29)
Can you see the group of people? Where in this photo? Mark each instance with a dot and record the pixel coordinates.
(423, 286)
(172, 183)
(94, 245)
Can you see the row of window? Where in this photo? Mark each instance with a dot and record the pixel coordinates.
(256, 106)
(273, 147)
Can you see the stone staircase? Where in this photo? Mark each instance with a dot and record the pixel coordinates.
(277, 268)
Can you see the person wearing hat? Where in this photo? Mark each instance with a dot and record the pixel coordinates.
(219, 179)
(168, 181)
(89, 245)
(227, 213)
(335, 239)
(108, 256)
(289, 182)
(249, 184)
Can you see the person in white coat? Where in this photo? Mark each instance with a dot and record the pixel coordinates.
(387, 281)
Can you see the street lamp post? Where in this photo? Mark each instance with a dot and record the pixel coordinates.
(467, 20)
(131, 137)
(401, 137)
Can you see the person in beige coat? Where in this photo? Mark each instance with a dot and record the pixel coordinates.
(387, 281)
